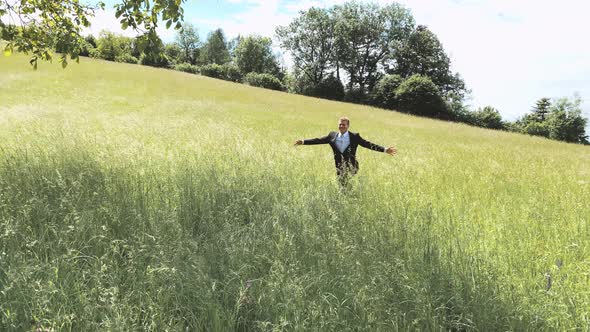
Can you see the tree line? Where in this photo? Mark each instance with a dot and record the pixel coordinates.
(355, 52)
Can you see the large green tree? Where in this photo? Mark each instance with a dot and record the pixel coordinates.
(420, 96)
(488, 117)
(563, 120)
(541, 108)
(310, 39)
(366, 35)
(215, 49)
(111, 46)
(189, 42)
(254, 54)
(423, 54)
(41, 26)
(566, 122)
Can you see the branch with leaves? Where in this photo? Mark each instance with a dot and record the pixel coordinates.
(40, 27)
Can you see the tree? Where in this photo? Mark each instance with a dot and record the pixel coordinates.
(310, 39)
(488, 117)
(542, 108)
(529, 124)
(565, 121)
(188, 41)
(419, 95)
(152, 50)
(40, 26)
(88, 45)
(330, 87)
(110, 46)
(423, 54)
(215, 50)
(254, 54)
(266, 81)
(384, 94)
(174, 53)
(366, 36)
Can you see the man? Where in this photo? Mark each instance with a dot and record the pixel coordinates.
(344, 144)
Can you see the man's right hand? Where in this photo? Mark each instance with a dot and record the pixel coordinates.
(298, 142)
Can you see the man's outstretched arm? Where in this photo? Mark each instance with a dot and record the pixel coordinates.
(320, 140)
(372, 146)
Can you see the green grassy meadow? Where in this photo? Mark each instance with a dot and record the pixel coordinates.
(134, 198)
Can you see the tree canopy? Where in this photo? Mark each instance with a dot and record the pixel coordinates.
(38, 27)
(254, 54)
(215, 49)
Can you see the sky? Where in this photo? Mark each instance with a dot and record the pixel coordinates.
(509, 52)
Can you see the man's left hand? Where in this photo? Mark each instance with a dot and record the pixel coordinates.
(391, 150)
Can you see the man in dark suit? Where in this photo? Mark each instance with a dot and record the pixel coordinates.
(344, 144)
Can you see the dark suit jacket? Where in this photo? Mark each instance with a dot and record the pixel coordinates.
(346, 159)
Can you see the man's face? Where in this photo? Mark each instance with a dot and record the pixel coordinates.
(343, 126)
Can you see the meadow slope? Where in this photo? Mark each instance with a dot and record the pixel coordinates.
(134, 198)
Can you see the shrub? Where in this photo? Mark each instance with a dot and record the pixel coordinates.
(187, 68)
(231, 73)
(356, 95)
(418, 95)
(212, 70)
(266, 81)
(330, 88)
(154, 60)
(88, 45)
(127, 58)
(537, 129)
(94, 53)
(384, 92)
(488, 117)
(111, 45)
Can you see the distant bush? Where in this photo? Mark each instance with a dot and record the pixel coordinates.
(212, 70)
(173, 52)
(187, 68)
(266, 81)
(154, 60)
(126, 58)
(384, 92)
(537, 129)
(330, 88)
(355, 95)
(418, 95)
(110, 45)
(88, 45)
(488, 117)
(231, 73)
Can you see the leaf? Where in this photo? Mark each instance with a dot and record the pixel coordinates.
(168, 24)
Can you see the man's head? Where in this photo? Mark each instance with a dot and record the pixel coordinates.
(343, 124)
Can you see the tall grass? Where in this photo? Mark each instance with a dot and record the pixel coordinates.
(143, 199)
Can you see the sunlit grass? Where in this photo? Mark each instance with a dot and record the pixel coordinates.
(134, 198)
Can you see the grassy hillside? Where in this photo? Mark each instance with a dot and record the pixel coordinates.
(134, 198)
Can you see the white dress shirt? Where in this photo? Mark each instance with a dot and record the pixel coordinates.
(342, 141)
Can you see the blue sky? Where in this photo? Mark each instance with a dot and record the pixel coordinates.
(509, 52)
